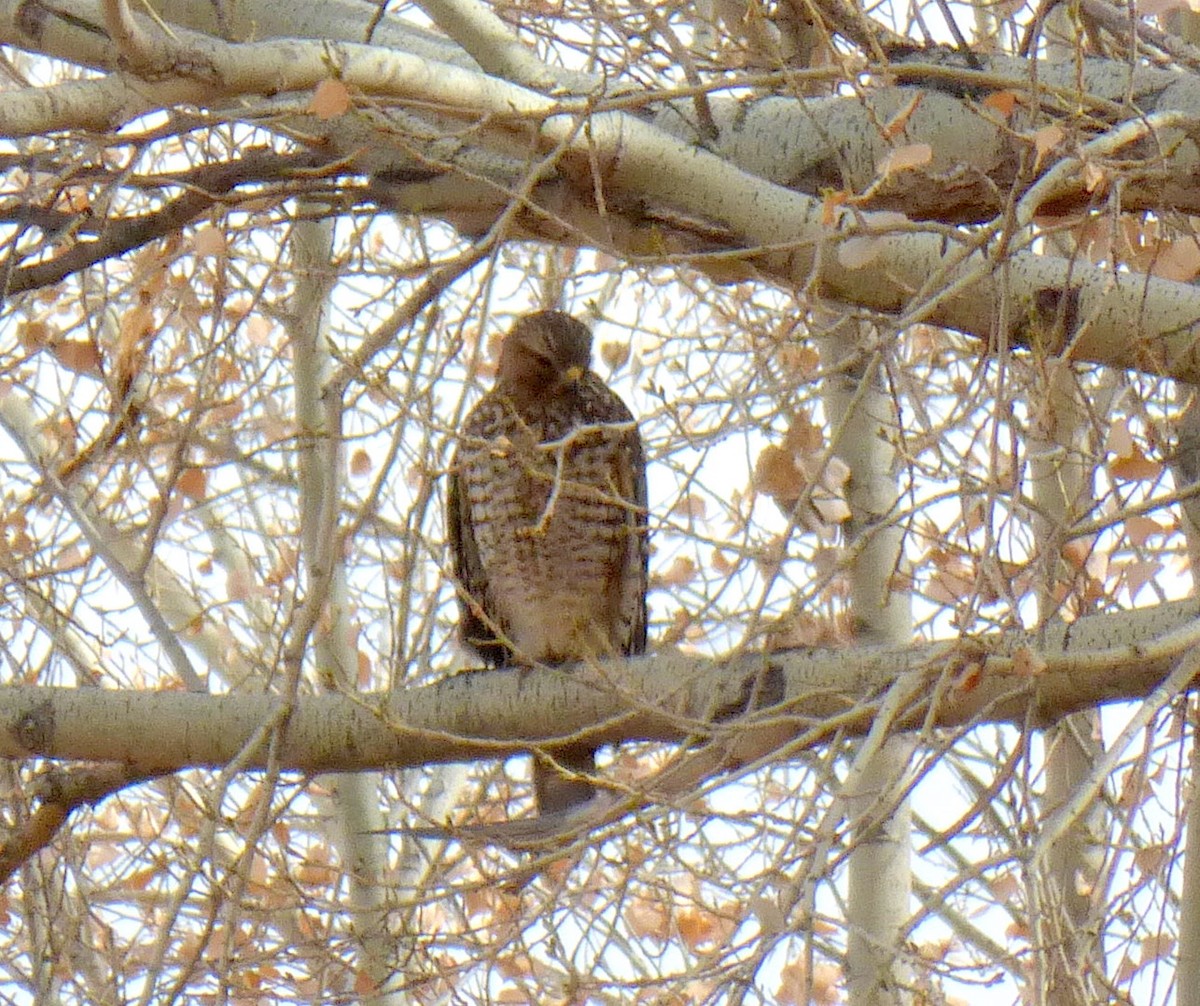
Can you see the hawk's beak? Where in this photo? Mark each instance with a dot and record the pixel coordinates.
(573, 374)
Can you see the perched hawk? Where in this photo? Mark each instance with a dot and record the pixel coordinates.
(546, 515)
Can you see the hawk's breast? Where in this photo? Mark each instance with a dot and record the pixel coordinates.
(551, 514)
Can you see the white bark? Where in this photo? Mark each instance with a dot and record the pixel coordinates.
(1125, 320)
(1015, 677)
(353, 797)
(862, 413)
(1068, 892)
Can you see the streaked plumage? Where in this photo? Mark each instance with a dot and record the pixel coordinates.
(547, 519)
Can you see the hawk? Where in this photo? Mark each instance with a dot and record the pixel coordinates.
(546, 517)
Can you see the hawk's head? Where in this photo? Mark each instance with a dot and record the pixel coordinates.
(544, 354)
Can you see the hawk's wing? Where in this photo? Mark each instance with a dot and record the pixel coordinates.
(469, 575)
(628, 474)
(637, 561)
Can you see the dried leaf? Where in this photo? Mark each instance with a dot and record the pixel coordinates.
(825, 984)
(360, 463)
(34, 335)
(830, 204)
(1150, 859)
(1177, 260)
(776, 475)
(723, 563)
(1135, 468)
(193, 483)
(1094, 176)
(953, 580)
(700, 928)
(136, 324)
(78, 355)
(1156, 947)
(1139, 528)
(803, 435)
(691, 507)
(801, 360)
(1119, 440)
(1003, 101)
(330, 99)
(615, 355)
(208, 240)
(1140, 573)
(258, 330)
(906, 158)
(1046, 139)
(648, 919)
(681, 572)
(1077, 552)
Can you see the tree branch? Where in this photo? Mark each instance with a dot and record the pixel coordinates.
(1011, 677)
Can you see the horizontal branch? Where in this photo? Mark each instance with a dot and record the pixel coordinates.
(110, 237)
(1010, 677)
(1118, 319)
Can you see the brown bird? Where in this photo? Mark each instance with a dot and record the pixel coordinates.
(546, 515)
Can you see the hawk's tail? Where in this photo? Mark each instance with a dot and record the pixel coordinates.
(565, 782)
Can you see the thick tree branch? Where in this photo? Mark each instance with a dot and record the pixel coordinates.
(1013, 677)
(1123, 320)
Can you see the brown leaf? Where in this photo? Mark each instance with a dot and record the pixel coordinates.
(906, 158)
(723, 563)
(78, 355)
(793, 977)
(136, 324)
(34, 335)
(1003, 101)
(258, 330)
(953, 581)
(1135, 468)
(330, 99)
(802, 361)
(1177, 260)
(1077, 552)
(825, 984)
(830, 204)
(1156, 947)
(193, 483)
(1138, 574)
(1119, 440)
(615, 355)
(360, 463)
(648, 919)
(691, 506)
(1139, 529)
(699, 928)
(776, 475)
(1094, 176)
(209, 241)
(1046, 139)
(1151, 858)
(804, 436)
(681, 572)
